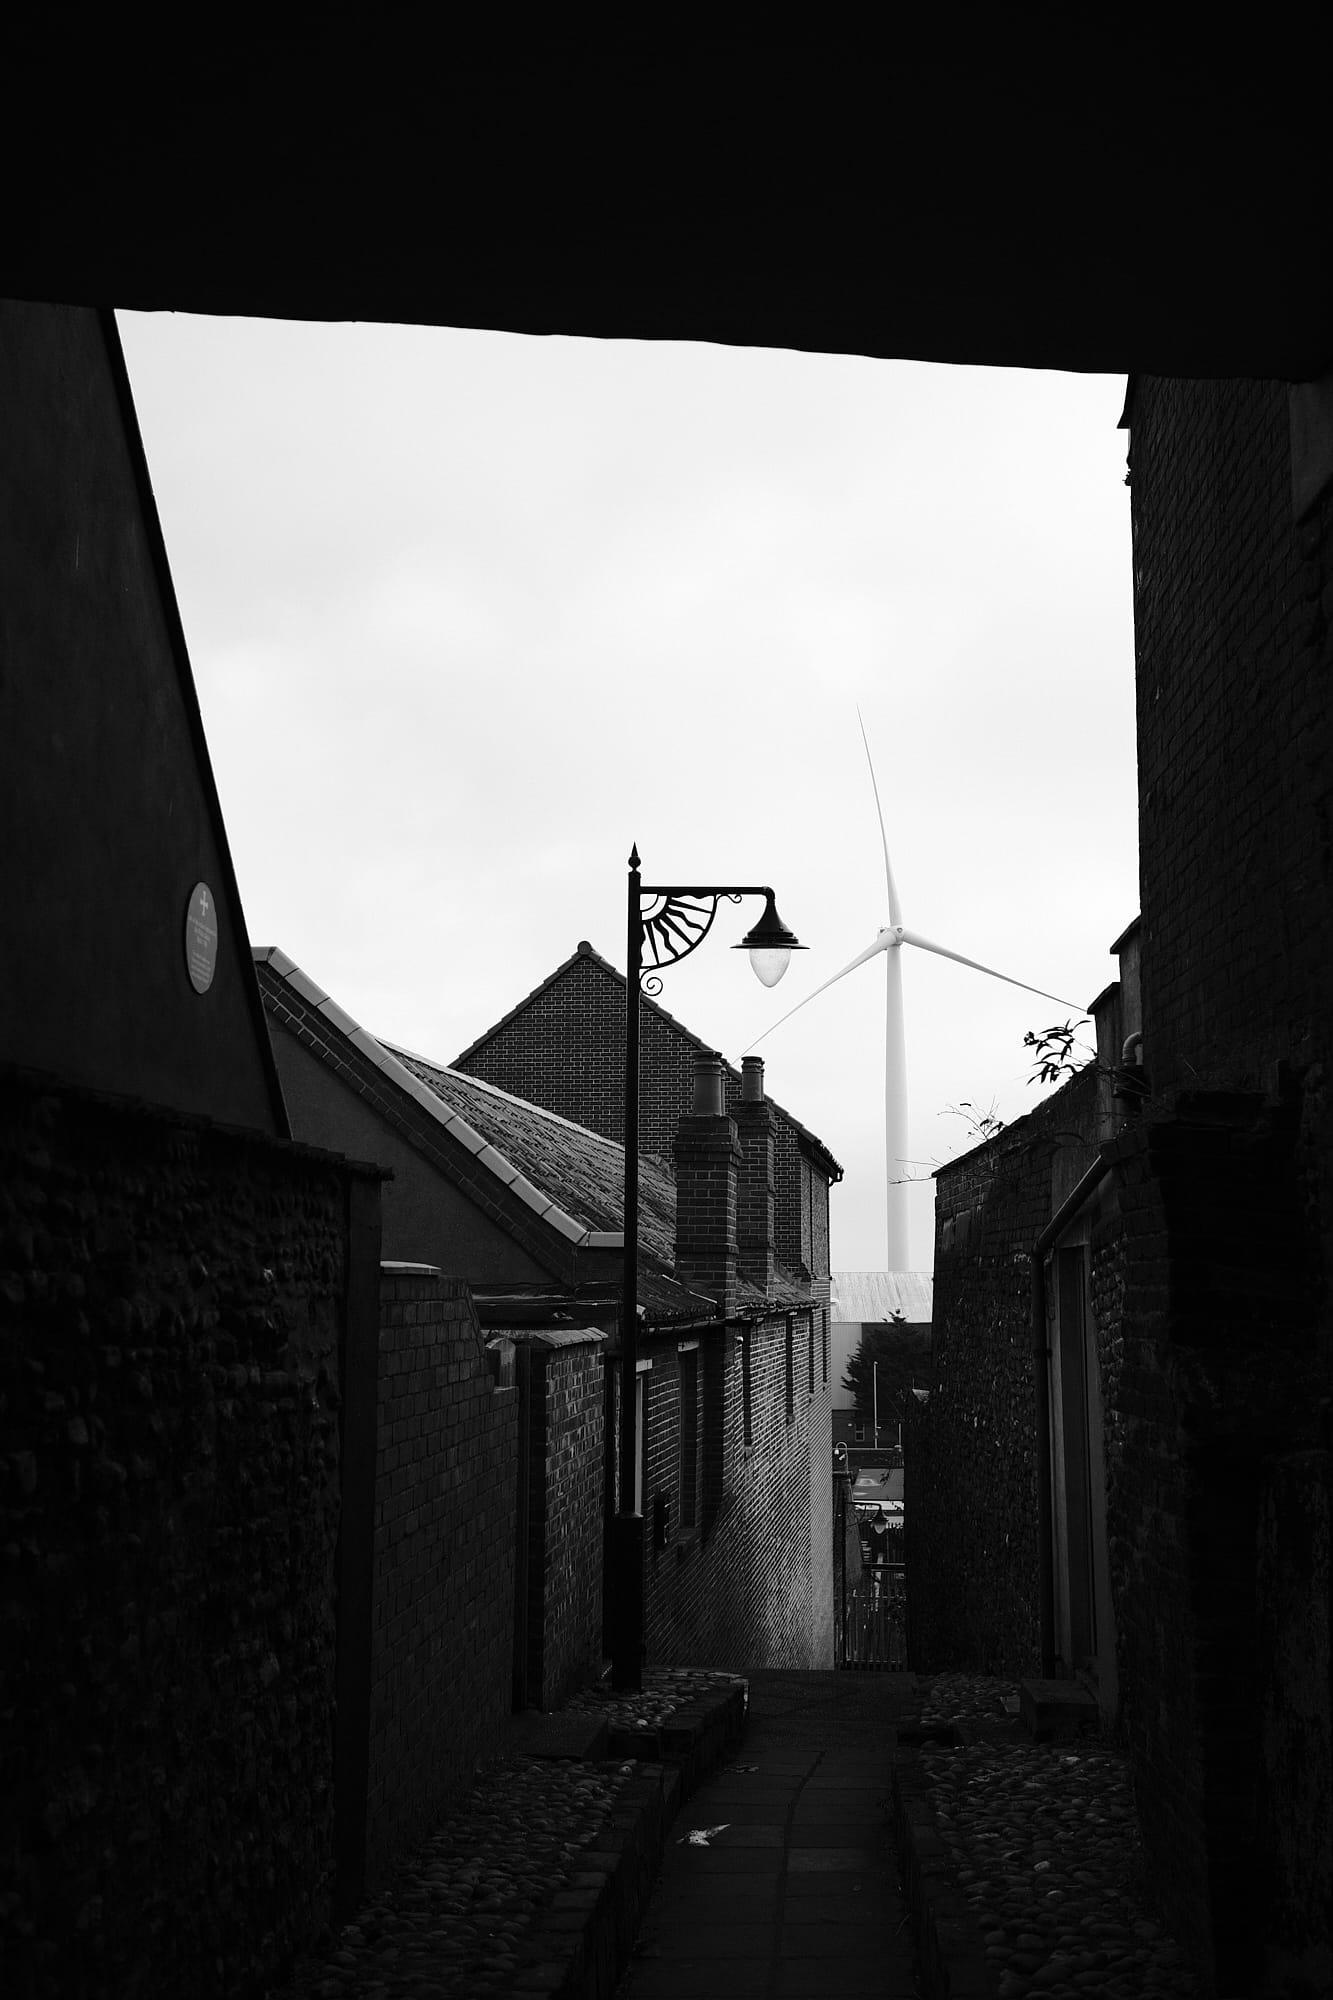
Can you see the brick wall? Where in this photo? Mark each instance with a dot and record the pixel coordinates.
(564, 1048)
(754, 1192)
(171, 1299)
(971, 1503)
(1232, 638)
(1228, 1190)
(750, 1584)
(1218, 1379)
(566, 1452)
(707, 1157)
(445, 1528)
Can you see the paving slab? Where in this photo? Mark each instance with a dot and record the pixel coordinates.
(796, 1896)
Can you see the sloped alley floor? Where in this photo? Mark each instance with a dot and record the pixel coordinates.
(780, 1878)
(1027, 1876)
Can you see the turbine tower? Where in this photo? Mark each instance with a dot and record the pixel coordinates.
(890, 939)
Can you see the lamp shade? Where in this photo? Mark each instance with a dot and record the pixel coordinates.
(770, 944)
(769, 962)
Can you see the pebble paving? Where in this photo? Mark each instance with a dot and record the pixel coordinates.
(1046, 1848)
(1043, 1838)
(665, 1689)
(453, 1919)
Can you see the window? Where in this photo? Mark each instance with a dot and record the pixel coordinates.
(640, 1428)
(810, 1354)
(790, 1372)
(689, 1436)
(747, 1387)
(640, 1432)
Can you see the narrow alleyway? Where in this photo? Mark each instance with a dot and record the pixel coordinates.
(781, 1879)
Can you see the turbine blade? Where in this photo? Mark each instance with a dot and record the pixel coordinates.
(895, 912)
(925, 944)
(882, 943)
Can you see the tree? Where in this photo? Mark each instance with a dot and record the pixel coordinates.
(901, 1348)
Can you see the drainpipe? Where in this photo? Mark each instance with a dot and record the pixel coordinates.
(1058, 1223)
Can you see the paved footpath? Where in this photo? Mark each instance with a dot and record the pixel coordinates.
(795, 1892)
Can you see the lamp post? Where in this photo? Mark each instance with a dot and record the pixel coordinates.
(662, 927)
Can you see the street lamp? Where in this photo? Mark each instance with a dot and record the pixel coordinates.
(663, 926)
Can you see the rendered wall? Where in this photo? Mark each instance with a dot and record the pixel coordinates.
(108, 816)
(427, 1218)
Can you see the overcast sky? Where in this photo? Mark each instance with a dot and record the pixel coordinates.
(471, 612)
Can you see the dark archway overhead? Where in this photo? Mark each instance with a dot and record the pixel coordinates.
(1092, 206)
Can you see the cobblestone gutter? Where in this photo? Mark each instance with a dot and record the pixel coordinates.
(1021, 1861)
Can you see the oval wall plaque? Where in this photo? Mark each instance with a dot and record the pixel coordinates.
(201, 937)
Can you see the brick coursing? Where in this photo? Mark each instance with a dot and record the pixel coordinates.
(970, 1494)
(445, 1528)
(707, 1156)
(750, 1584)
(566, 1448)
(564, 1048)
(755, 1193)
(170, 1304)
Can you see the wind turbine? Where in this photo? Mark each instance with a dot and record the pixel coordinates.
(890, 940)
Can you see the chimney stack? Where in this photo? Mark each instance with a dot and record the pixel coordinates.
(708, 1159)
(756, 1191)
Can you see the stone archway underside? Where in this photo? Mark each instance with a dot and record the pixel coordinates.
(1091, 208)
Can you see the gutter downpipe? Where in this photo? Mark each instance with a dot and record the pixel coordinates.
(1058, 1223)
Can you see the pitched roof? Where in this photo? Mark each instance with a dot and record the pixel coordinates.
(867, 1297)
(579, 1168)
(571, 1178)
(585, 950)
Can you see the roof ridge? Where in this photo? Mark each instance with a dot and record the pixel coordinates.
(510, 1097)
(544, 1206)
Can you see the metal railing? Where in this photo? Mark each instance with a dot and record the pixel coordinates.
(873, 1625)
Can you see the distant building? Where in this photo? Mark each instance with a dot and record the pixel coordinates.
(564, 1047)
(1011, 1461)
(865, 1299)
(526, 1205)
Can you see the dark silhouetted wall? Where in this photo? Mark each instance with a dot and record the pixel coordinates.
(108, 815)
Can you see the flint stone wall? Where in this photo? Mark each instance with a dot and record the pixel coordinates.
(170, 1305)
(443, 1626)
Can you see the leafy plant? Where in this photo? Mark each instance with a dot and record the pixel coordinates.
(1058, 1053)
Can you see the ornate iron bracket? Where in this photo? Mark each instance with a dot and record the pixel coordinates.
(673, 922)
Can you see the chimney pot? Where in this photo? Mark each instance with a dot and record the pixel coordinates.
(752, 1079)
(707, 1087)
